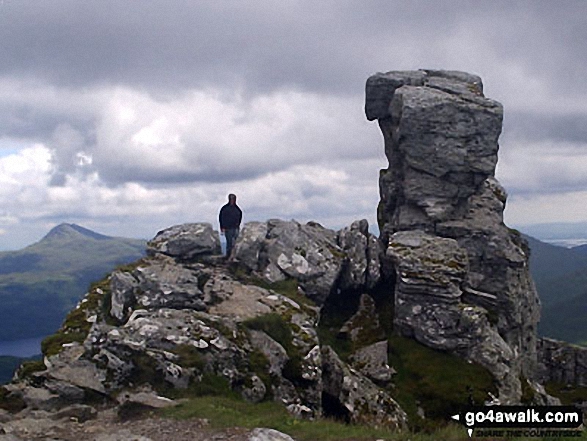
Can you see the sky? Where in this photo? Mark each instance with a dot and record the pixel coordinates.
(129, 116)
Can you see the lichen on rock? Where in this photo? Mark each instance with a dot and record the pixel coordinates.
(441, 221)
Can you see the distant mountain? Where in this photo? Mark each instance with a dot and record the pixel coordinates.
(581, 249)
(561, 280)
(42, 282)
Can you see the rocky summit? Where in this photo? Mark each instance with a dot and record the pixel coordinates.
(393, 331)
(462, 278)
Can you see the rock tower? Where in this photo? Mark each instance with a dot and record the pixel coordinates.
(462, 282)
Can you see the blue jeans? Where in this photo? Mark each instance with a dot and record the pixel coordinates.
(231, 234)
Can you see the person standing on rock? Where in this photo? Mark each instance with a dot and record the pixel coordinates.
(230, 220)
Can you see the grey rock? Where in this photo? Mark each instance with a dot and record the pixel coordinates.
(122, 286)
(146, 397)
(441, 140)
(9, 437)
(364, 402)
(429, 307)
(250, 244)
(263, 434)
(322, 261)
(162, 284)
(364, 325)
(40, 398)
(231, 298)
(256, 391)
(308, 253)
(562, 362)
(187, 241)
(69, 366)
(373, 362)
(30, 428)
(275, 353)
(361, 265)
(78, 412)
(4, 416)
(426, 266)
(381, 87)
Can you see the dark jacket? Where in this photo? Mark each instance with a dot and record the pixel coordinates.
(230, 217)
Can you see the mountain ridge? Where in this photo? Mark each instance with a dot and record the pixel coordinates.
(42, 281)
(72, 230)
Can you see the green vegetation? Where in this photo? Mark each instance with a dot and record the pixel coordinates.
(209, 385)
(224, 412)
(189, 357)
(278, 329)
(567, 394)
(42, 282)
(274, 326)
(527, 392)
(287, 288)
(76, 326)
(335, 313)
(437, 382)
(28, 368)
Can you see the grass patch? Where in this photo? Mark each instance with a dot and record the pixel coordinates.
(28, 368)
(225, 412)
(53, 344)
(568, 395)
(436, 381)
(527, 392)
(189, 357)
(259, 364)
(275, 327)
(208, 385)
(76, 327)
(287, 287)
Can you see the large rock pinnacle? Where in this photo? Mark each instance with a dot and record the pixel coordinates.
(462, 279)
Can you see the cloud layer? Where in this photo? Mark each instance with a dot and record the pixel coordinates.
(129, 117)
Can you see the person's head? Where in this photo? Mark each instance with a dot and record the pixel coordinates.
(232, 199)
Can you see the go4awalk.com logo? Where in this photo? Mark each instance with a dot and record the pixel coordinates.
(522, 421)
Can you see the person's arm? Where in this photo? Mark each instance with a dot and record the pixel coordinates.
(221, 220)
(240, 216)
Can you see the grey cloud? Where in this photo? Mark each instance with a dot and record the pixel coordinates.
(571, 127)
(328, 46)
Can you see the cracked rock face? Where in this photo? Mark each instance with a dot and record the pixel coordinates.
(441, 220)
(320, 259)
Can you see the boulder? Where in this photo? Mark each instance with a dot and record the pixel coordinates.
(320, 260)
(373, 362)
(263, 434)
(360, 399)
(186, 241)
(361, 266)
(429, 307)
(157, 283)
(562, 362)
(457, 265)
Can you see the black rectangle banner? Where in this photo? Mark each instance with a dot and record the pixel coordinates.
(551, 417)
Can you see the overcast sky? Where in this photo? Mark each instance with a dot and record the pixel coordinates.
(131, 116)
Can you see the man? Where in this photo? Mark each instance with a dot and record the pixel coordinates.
(230, 221)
